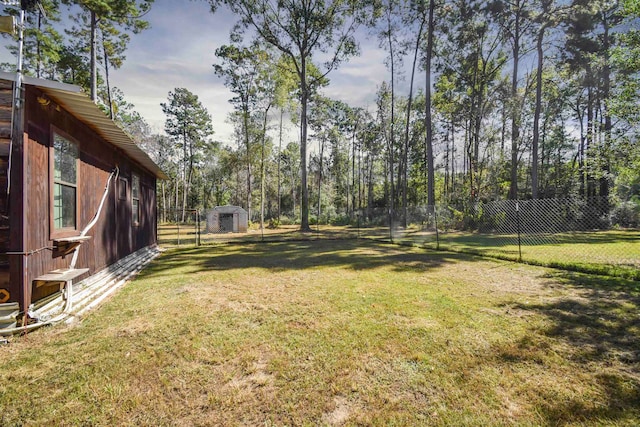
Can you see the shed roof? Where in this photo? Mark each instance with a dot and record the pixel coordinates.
(229, 209)
(76, 102)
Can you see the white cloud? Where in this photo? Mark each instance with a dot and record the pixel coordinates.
(177, 51)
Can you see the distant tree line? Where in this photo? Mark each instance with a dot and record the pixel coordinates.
(524, 99)
(483, 100)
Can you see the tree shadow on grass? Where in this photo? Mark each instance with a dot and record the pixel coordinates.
(598, 323)
(300, 255)
(601, 326)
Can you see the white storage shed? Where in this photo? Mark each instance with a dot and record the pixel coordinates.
(227, 219)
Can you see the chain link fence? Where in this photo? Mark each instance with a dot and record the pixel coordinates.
(178, 228)
(592, 235)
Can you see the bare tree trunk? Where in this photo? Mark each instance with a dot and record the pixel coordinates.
(608, 125)
(184, 174)
(177, 199)
(164, 203)
(304, 98)
(447, 159)
(38, 49)
(262, 166)
(293, 191)
(279, 161)
(589, 145)
(359, 179)
(431, 193)
(515, 112)
(248, 152)
(106, 77)
(320, 181)
(352, 187)
(453, 157)
(349, 191)
(94, 61)
(536, 115)
(581, 154)
(405, 153)
(391, 140)
(370, 185)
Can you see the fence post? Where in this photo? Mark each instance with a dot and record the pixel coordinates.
(435, 218)
(198, 227)
(391, 225)
(518, 226)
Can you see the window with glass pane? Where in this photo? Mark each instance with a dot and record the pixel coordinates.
(135, 198)
(65, 177)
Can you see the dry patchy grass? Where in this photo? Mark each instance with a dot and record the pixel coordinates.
(336, 333)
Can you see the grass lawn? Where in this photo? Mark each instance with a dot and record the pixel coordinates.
(612, 252)
(336, 333)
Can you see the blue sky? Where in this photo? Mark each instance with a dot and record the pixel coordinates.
(177, 51)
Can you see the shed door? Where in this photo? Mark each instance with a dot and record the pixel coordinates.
(226, 222)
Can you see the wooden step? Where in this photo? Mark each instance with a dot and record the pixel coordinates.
(54, 281)
(66, 245)
(60, 275)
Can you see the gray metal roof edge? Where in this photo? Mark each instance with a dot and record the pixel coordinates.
(107, 128)
(32, 81)
(231, 207)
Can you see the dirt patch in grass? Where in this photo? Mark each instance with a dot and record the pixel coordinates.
(336, 333)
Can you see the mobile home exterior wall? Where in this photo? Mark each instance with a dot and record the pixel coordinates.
(118, 232)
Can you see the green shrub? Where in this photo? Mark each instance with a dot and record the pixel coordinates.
(285, 220)
(274, 223)
(341, 220)
(626, 214)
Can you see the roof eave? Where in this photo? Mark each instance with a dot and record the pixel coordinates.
(76, 102)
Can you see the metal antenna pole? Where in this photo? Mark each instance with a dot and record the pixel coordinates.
(18, 87)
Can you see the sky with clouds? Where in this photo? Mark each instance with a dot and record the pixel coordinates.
(178, 51)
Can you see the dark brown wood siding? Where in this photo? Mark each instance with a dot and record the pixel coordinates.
(113, 236)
